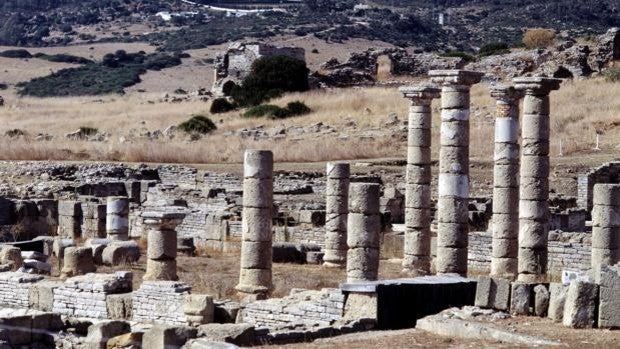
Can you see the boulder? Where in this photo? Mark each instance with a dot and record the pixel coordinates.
(541, 300)
(165, 337)
(11, 255)
(99, 333)
(241, 334)
(557, 298)
(120, 252)
(199, 309)
(580, 305)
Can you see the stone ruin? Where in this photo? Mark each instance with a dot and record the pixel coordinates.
(235, 64)
(93, 218)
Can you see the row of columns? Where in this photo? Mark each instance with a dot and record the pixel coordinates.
(520, 221)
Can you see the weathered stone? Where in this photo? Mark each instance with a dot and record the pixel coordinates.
(200, 307)
(101, 332)
(11, 255)
(520, 298)
(541, 300)
(127, 340)
(165, 337)
(493, 293)
(78, 261)
(241, 334)
(609, 302)
(118, 253)
(119, 306)
(161, 270)
(580, 305)
(557, 298)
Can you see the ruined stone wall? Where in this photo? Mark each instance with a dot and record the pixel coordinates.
(567, 250)
(14, 288)
(321, 307)
(607, 173)
(184, 177)
(160, 302)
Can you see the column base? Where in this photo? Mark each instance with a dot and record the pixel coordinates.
(532, 278)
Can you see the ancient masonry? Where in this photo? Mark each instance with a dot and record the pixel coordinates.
(363, 232)
(161, 261)
(256, 247)
(336, 212)
(453, 201)
(417, 246)
(606, 225)
(534, 218)
(117, 222)
(505, 224)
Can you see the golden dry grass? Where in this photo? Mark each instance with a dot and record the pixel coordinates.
(578, 109)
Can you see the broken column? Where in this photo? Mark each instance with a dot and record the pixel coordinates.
(453, 201)
(161, 263)
(606, 225)
(363, 229)
(336, 211)
(534, 216)
(255, 276)
(117, 218)
(505, 224)
(417, 247)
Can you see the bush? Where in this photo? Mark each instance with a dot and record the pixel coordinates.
(273, 111)
(14, 133)
(19, 53)
(198, 124)
(613, 75)
(63, 58)
(269, 78)
(3, 86)
(538, 38)
(88, 131)
(494, 48)
(221, 105)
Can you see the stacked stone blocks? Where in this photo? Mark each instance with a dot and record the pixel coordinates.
(606, 225)
(117, 218)
(363, 232)
(336, 212)
(69, 219)
(162, 245)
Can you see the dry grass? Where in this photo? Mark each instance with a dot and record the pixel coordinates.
(578, 110)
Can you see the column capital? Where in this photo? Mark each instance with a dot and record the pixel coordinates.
(163, 220)
(420, 92)
(455, 77)
(537, 85)
(506, 93)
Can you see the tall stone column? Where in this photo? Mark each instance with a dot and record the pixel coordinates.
(417, 249)
(161, 263)
(363, 229)
(117, 218)
(505, 221)
(606, 225)
(453, 200)
(336, 212)
(534, 217)
(255, 276)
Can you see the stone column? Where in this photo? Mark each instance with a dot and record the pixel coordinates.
(161, 263)
(255, 276)
(534, 217)
(336, 212)
(363, 229)
(453, 201)
(417, 248)
(117, 218)
(505, 223)
(606, 225)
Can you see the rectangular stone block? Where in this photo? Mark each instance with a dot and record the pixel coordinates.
(493, 293)
(580, 306)
(69, 208)
(521, 298)
(557, 298)
(609, 302)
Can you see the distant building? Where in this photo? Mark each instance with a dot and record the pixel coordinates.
(232, 66)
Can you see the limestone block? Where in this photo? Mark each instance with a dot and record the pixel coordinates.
(580, 305)
(60, 245)
(118, 253)
(504, 248)
(117, 205)
(534, 210)
(200, 307)
(541, 300)
(119, 306)
(609, 303)
(451, 260)
(604, 256)
(418, 242)
(520, 298)
(534, 104)
(256, 224)
(532, 261)
(336, 205)
(506, 153)
(606, 195)
(605, 216)
(418, 195)
(11, 255)
(166, 337)
(241, 334)
(417, 217)
(504, 267)
(363, 230)
(69, 227)
(493, 293)
(257, 193)
(419, 137)
(78, 261)
(337, 187)
(505, 200)
(504, 226)
(314, 217)
(338, 170)
(336, 222)
(362, 264)
(162, 244)
(99, 333)
(314, 257)
(534, 188)
(452, 210)
(535, 166)
(557, 298)
(453, 235)
(69, 208)
(41, 295)
(161, 270)
(535, 147)
(607, 238)
(533, 235)
(506, 176)
(535, 126)
(364, 198)
(454, 133)
(455, 186)
(256, 255)
(127, 340)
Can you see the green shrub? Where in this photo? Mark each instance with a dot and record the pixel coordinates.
(3, 86)
(221, 105)
(14, 133)
(269, 78)
(88, 131)
(198, 124)
(494, 48)
(261, 110)
(19, 53)
(613, 75)
(298, 108)
(63, 58)
(465, 56)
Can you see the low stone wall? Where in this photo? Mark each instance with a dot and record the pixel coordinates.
(160, 302)
(301, 307)
(14, 288)
(607, 173)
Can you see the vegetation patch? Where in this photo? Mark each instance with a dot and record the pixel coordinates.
(198, 124)
(116, 72)
(88, 131)
(221, 105)
(63, 58)
(295, 108)
(613, 75)
(16, 132)
(465, 56)
(494, 48)
(538, 38)
(18, 53)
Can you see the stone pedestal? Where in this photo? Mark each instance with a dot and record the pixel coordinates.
(117, 218)
(161, 263)
(453, 201)
(534, 216)
(606, 225)
(255, 277)
(505, 221)
(336, 212)
(363, 229)
(417, 248)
